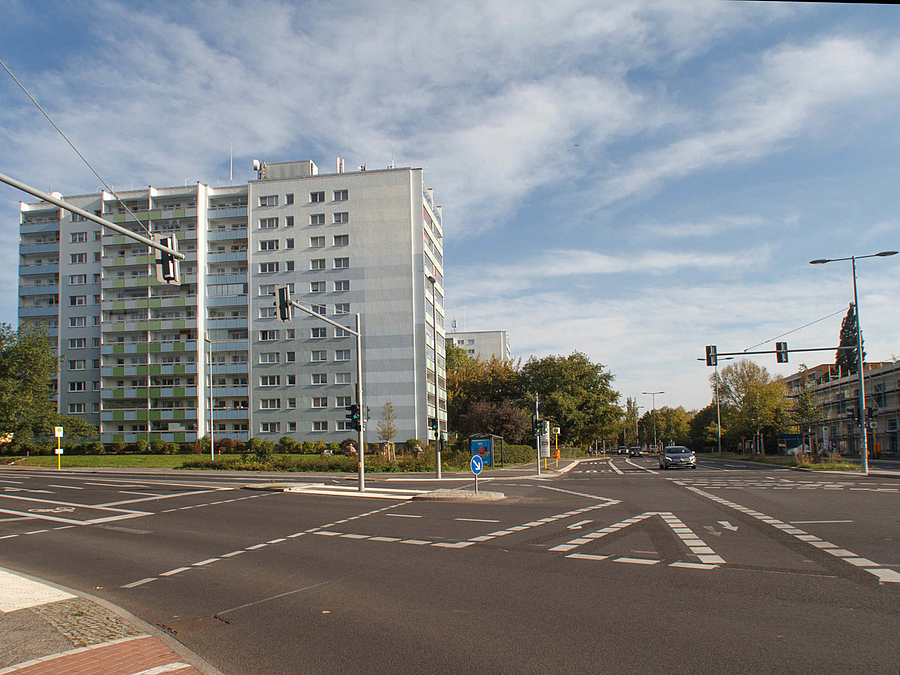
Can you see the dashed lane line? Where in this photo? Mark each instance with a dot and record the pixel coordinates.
(883, 574)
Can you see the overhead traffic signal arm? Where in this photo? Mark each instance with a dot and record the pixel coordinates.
(780, 351)
(284, 303)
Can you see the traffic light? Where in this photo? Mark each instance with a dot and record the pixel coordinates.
(353, 416)
(433, 423)
(284, 302)
(781, 352)
(711, 358)
(168, 269)
(545, 427)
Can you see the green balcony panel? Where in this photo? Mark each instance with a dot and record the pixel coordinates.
(178, 414)
(118, 349)
(155, 393)
(155, 302)
(119, 393)
(119, 304)
(178, 391)
(178, 347)
(118, 416)
(180, 438)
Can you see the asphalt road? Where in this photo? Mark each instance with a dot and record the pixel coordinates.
(614, 567)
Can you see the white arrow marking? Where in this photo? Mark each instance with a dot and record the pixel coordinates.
(728, 526)
(577, 526)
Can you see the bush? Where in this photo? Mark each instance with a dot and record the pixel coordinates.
(118, 447)
(141, 445)
(335, 448)
(348, 446)
(93, 448)
(264, 450)
(288, 445)
(158, 446)
(413, 445)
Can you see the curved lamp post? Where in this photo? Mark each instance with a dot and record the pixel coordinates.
(864, 449)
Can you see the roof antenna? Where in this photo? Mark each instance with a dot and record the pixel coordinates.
(392, 154)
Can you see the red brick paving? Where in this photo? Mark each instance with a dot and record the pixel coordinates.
(130, 656)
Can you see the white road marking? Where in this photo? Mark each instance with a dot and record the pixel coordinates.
(177, 570)
(578, 525)
(818, 522)
(615, 468)
(402, 515)
(728, 526)
(477, 520)
(638, 466)
(636, 561)
(135, 584)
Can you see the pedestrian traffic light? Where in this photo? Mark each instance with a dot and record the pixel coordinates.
(353, 416)
(168, 269)
(433, 423)
(284, 302)
(711, 358)
(781, 352)
(545, 427)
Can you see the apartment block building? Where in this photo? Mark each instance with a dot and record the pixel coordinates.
(144, 359)
(482, 344)
(837, 398)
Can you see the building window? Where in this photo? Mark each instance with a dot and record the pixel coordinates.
(291, 357)
(317, 287)
(292, 403)
(78, 258)
(320, 426)
(319, 355)
(95, 364)
(76, 408)
(98, 235)
(292, 426)
(95, 342)
(270, 427)
(77, 321)
(341, 263)
(319, 309)
(317, 242)
(342, 308)
(320, 402)
(268, 267)
(319, 378)
(268, 335)
(290, 334)
(269, 380)
(342, 217)
(340, 332)
(288, 265)
(289, 243)
(342, 355)
(268, 357)
(267, 289)
(268, 245)
(270, 200)
(317, 264)
(315, 333)
(289, 221)
(316, 197)
(342, 401)
(270, 404)
(343, 285)
(291, 380)
(317, 219)
(77, 300)
(77, 343)
(77, 279)
(77, 386)
(289, 199)
(342, 378)
(77, 365)
(343, 425)
(266, 312)
(96, 256)
(268, 223)
(79, 237)
(340, 195)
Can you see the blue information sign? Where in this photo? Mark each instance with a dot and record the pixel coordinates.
(477, 464)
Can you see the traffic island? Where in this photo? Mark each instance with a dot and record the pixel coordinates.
(460, 496)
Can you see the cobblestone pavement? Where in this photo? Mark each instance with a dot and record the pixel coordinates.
(45, 630)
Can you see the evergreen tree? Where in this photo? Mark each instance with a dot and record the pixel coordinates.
(846, 360)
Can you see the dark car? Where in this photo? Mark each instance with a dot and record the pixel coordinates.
(635, 452)
(677, 455)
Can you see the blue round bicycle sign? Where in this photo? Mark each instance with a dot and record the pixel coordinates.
(477, 464)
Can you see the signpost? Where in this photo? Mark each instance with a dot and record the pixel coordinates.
(58, 432)
(477, 465)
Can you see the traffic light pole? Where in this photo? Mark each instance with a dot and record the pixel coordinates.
(87, 215)
(361, 451)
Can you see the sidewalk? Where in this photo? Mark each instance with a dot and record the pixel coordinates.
(47, 630)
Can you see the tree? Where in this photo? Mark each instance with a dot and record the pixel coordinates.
(704, 433)
(576, 394)
(806, 410)
(456, 357)
(387, 429)
(28, 362)
(501, 419)
(847, 358)
(751, 401)
(474, 380)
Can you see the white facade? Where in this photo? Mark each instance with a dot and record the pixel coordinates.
(483, 344)
(138, 351)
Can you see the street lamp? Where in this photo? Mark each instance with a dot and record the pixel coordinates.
(653, 414)
(437, 386)
(864, 449)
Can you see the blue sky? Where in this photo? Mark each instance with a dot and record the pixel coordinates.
(632, 180)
